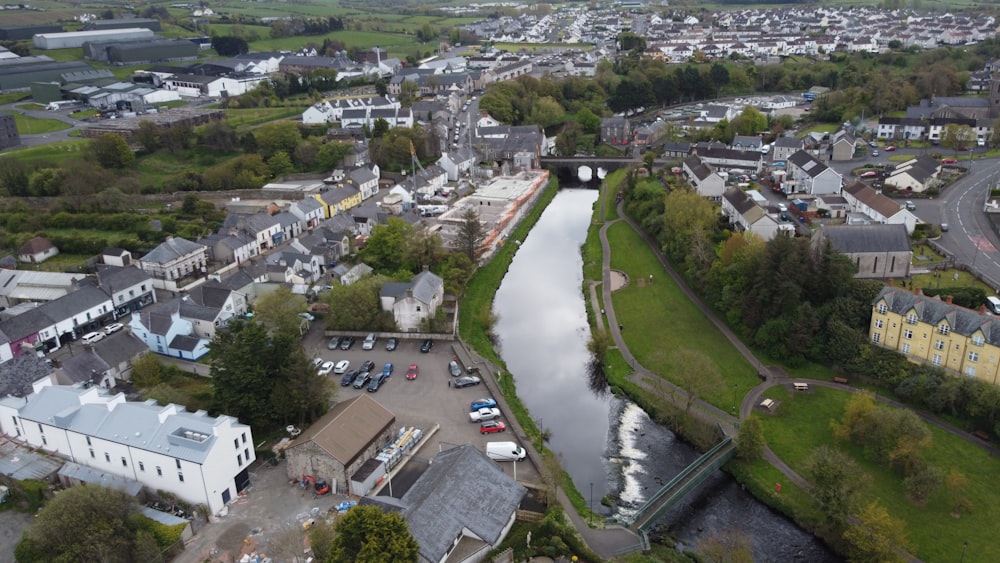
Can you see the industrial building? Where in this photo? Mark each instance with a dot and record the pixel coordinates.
(9, 137)
(25, 32)
(175, 116)
(20, 73)
(127, 23)
(140, 52)
(115, 94)
(76, 39)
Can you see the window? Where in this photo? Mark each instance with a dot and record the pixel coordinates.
(239, 460)
(944, 329)
(936, 359)
(978, 340)
(912, 319)
(88, 441)
(92, 456)
(236, 443)
(878, 323)
(973, 356)
(970, 371)
(939, 344)
(159, 471)
(142, 466)
(107, 457)
(246, 453)
(124, 462)
(877, 337)
(180, 476)
(178, 463)
(40, 429)
(44, 441)
(908, 334)
(882, 308)
(244, 437)
(906, 348)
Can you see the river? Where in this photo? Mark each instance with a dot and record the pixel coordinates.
(610, 446)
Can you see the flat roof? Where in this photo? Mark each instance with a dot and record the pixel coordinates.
(508, 187)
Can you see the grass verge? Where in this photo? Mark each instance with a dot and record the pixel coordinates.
(27, 125)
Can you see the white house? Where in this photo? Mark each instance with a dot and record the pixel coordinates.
(703, 178)
(747, 216)
(204, 460)
(877, 207)
(309, 212)
(173, 259)
(457, 163)
(365, 179)
(165, 332)
(414, 301)
(812, 176)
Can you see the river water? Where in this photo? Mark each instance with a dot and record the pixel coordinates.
(607, 445)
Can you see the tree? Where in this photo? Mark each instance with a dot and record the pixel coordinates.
(278, 136)
(357, 306)
(147, 370)
(280, 163)
(279, 310)
(368, 534)
(923, 482)
(111, 151)
(568, 139)
(115, 531)
(876, 537)
(957, 484)
(958, 137)
(590, 122)
(380, 128)
(148, 136)
(471, 234)
(751, 442)
(385, 248)
(696, 373)
(837, 482)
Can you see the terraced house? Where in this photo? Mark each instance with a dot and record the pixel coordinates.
(930, 330)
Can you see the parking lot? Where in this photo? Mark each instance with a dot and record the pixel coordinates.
(424, 402)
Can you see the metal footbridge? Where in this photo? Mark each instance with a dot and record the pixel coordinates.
(685, 482)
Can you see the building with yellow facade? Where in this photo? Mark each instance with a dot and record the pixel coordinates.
(929, 330)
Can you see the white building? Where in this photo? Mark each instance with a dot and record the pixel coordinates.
(201, 459)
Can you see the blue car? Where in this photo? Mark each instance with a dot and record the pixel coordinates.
(486, 403)
(387, 370)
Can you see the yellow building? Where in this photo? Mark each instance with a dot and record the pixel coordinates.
(338, 199)
(927, 329)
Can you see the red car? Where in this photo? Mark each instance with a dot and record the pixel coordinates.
(948, 161)
(869, 174)
(890, 148)
(412, 371)
(491, 426)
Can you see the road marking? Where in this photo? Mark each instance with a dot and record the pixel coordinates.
(982, 243)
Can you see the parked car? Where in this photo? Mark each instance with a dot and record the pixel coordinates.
(426, 346)
(492, 426)
(890, 148)
(454, 369)
(307, 317)
(346, 342)
(875, 152)
(391, 344)
(467, 381)
(367, 366)
(910, 206)
(872, 144)
(948, 161)
(484, 413)
(333, 344)
(387, 369)
(485, 402)
(377, 382)
(369, 342)
(317, 362)
(92, 337)
(412, 371)
(362, 379)
(341, 367)
(348, 378)
(113, 328)
(944, 227)
(869, 174)
(326, 368)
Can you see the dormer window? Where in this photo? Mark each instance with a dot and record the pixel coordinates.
(944, 329)
(978, 340)
(911, 318)
(882, 308)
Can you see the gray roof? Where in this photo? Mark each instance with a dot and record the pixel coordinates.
(307, 205)
(697, 167)
(173, 249)
(83, 366)
(461, 489)
(120, 348)
(75, 302)
(807, 163)
(739, 200)
(18, 373)
(852, 239)
(933, 311)
(260, 222)
(114, 278)
(27, 323)
(213, 296)
(158, 317)
(788, 142)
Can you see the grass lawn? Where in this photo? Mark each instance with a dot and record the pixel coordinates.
(54, 152)
(658, 320)
(58, 263)
(240, 119)
(34, 126)
(818, 128)
(13, 97)
(391, 42)
(947, 279)
(800, 424)
(31, 106)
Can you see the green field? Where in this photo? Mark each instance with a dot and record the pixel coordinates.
(54, 152)
(658, 319)
(27, 125)
(800, 424)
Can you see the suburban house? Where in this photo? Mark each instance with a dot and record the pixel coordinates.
(917, 174)
(935, 331)
(165, 332)
(871, 206)
(457, 163)
(725, 159)
(901, 128)
(365, 179)
(336, 446)
(346, 275)
(308, 211)
(203, 460)
(172, 260)
(339, 199)
(676, 149)
(37, 250)
(413, 302)
(812, 176)
(747, 143)
(110, 360)
(842, 145)
(295, 268)
(129, 288)
(616, 131)
(785, 147)
(703, 178)
(747, 216)
(444, 508)
(222, 303)
(877, 251)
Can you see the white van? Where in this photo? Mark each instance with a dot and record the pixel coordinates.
(369, 342)
(93, 337)
(504, 451)
(993, 304)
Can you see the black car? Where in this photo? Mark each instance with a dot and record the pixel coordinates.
(367, 366)
(391, 344)
(377, 382)
(426, 346)
(348, 378)
(362, 378)
(346, 342)
(466, 381)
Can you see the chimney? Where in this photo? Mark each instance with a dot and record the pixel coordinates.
(918, 291)
(948, 299)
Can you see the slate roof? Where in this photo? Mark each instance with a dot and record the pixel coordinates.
(114, 278)
(788, 143)
(677, 146)
(697, 167)
(25, 324)
(35, 245)
(867, 195)
(173, 249)
(75, 302)
(185, 342)
(307, 205)
(83, 366)
(807, 163)
(933, 311)
(18, 373)
(158, 317)
(739, 200)
(729, 154)
(348, 428)
(462, 489)
(260, 222)
(123, 347)
(853, 239)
